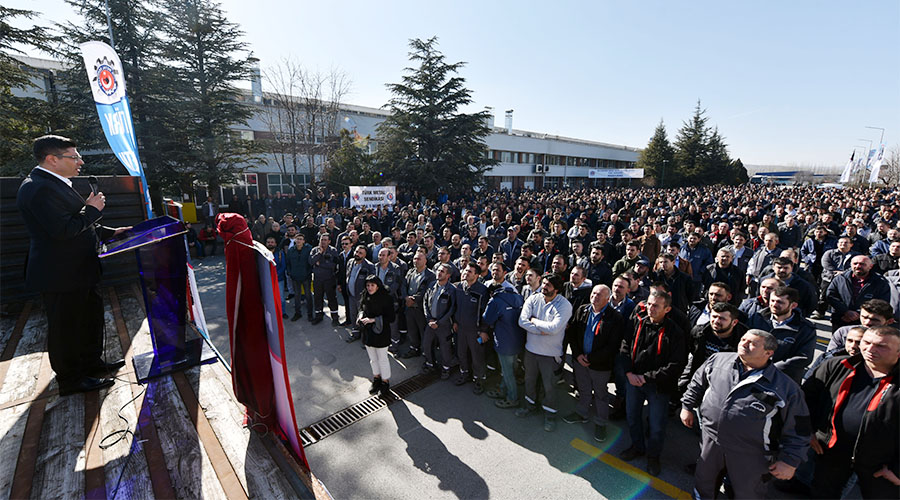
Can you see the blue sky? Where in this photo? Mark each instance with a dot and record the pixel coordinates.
(787, 82)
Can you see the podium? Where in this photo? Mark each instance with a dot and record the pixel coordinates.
(161, 252)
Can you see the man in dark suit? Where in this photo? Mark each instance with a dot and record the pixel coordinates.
(63, 264)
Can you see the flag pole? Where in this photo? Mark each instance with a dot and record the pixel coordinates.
(112, 43)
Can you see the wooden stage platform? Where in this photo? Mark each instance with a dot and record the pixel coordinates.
(180, 436)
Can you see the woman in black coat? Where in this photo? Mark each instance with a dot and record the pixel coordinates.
(376, 312)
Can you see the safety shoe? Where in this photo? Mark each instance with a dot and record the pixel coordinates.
(412, 352)
(630, 454)
(479, 388)
(599, 433)
(653, 467)
(506, 403)
(574, 418)
(496, 394)
(461, 379)
(525, 410)
(427, 368)
(445, 373)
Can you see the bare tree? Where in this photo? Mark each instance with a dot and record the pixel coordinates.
(302, 113)
(890, 168)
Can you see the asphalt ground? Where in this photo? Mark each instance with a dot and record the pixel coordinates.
(443, 441)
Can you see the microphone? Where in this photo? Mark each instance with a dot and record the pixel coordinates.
(92, 180)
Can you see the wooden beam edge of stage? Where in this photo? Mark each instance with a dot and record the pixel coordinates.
(156, 463)
(31, 438)
(217, 456)
(13, 342)
(279, 453)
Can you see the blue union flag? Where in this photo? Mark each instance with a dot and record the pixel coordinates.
(107, 82)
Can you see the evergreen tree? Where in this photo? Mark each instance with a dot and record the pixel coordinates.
(427, 144)
(351, 165)
(737, 173)
(205, 55)
(657, 159)
(691, 148)
(716, 166)
(21, 118)
(135, 26)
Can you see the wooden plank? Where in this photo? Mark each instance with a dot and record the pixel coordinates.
(10, 341)
(9, 338)
(259, 476)
(60, 453)
(12, 430)
(94, 486)
(190, 469)
(25, 463)
(218, 459)
(23, 369)
(153, 454)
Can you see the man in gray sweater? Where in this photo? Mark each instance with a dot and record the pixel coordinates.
(544, 317)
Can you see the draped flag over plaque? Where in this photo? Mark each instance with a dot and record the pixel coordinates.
(107, 81)
(256, 333)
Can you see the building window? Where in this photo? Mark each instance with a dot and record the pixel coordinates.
(247, 185)
(506, 157)
(282, 182)
(247, 135)
(551, 160)
(551, 182)
(373, 147)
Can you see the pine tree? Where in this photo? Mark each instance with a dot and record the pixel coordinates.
(21, 118)
(716, 166)
(350, 165)
(427, 144)
(657, 159)
(205, 55)
(691, 148)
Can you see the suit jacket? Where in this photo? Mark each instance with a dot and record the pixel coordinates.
(62, 256)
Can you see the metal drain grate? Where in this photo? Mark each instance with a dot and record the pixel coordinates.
(356, 412)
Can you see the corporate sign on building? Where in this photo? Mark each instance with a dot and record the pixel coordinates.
(373, 196)
(616, 173)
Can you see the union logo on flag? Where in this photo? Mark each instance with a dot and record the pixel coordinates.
(106, 76)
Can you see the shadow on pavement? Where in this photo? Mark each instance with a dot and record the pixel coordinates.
(430, 455)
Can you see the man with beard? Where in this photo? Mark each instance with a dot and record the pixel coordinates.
(796, 335)
(783, 269)
(721, 334)
(723, 270)
(850, 289)
(626, 263)
(517, 277)
(700, 312)
(358, 269)
(544, 317)
(598, 270)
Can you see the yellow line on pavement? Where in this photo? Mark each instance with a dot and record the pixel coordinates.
(654, 482)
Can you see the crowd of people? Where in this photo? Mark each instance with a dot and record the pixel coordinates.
(695, 302)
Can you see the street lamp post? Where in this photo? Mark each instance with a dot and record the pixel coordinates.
(662, 177)
(880, 141)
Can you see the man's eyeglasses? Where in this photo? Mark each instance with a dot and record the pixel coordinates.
(74, 157)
